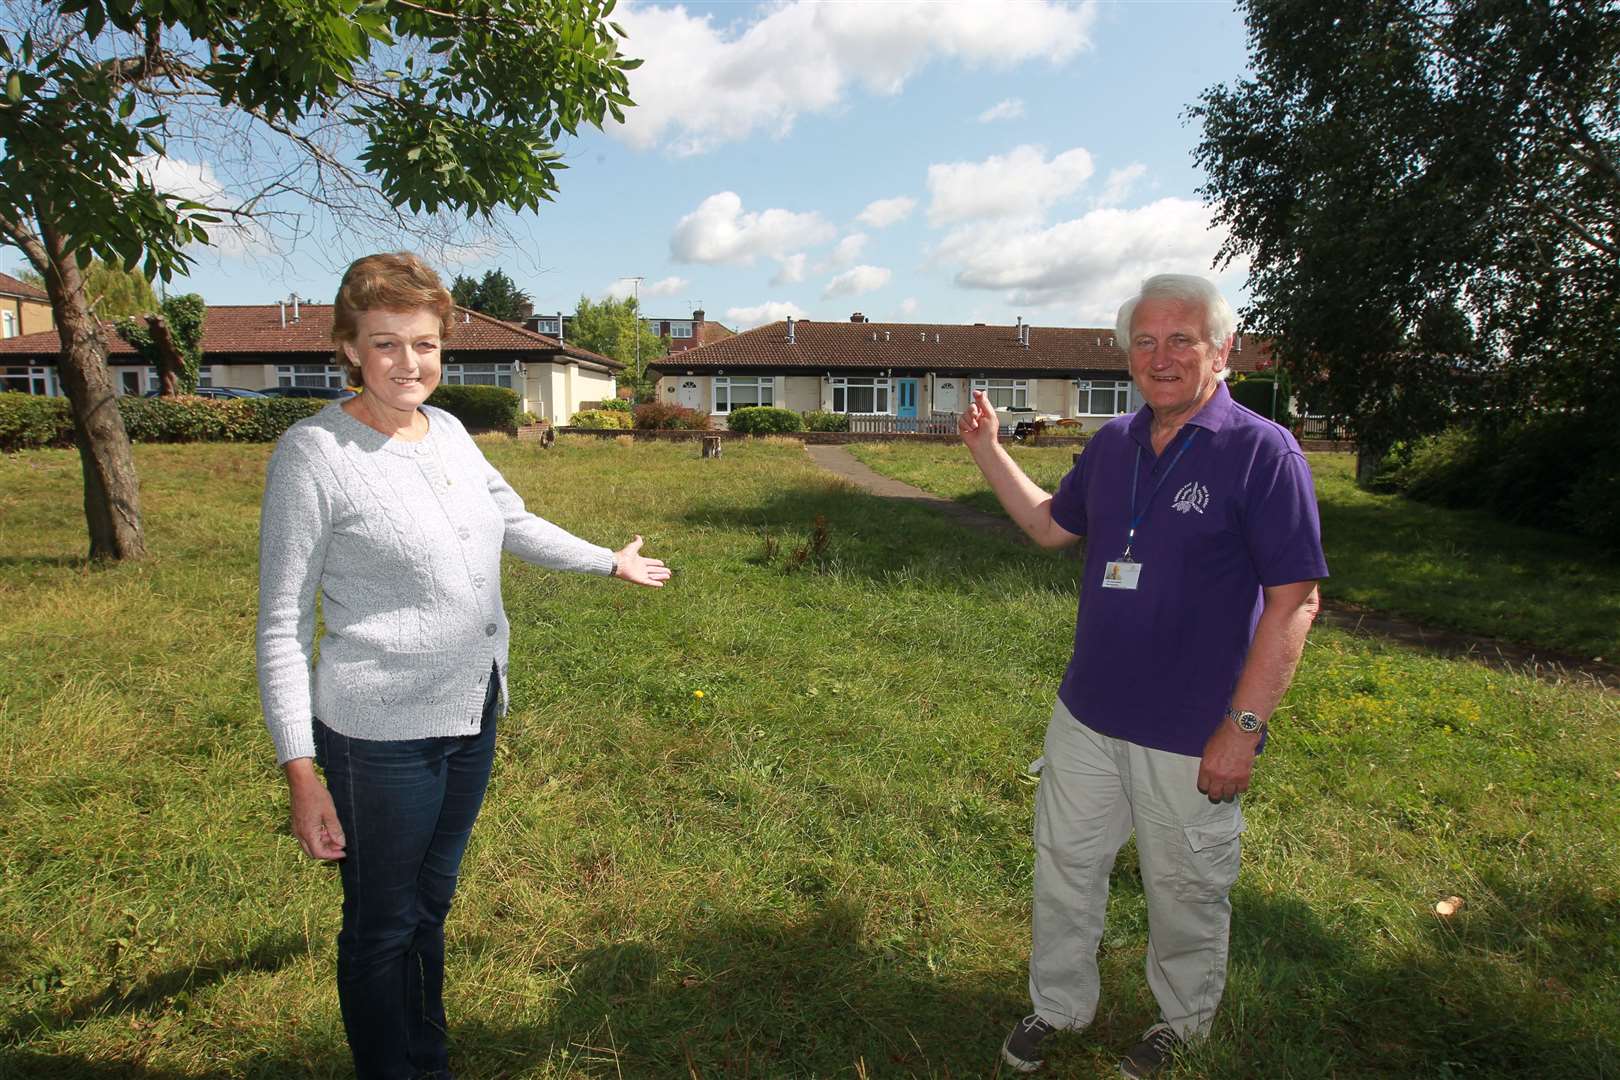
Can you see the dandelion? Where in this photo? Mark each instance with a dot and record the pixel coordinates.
(697, 693)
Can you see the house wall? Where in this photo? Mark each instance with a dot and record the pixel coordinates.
(36, 317)
(802, 393)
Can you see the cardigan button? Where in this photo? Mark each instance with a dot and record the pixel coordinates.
(464, 533)
(489, 631)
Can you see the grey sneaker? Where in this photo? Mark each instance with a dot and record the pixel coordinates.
(1149, 1057)
(1022, 1050)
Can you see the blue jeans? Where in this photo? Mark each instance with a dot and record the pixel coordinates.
(407, 808)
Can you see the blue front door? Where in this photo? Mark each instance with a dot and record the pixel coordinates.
(906, 398)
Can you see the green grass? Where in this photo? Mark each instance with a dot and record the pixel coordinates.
(1458, 569)
(821, 868)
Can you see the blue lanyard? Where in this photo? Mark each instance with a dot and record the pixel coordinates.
(1136, 518)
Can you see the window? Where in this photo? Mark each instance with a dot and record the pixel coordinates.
(1005, 393)
(29, 380)
(10, 328)
(1105, 398)
(309, 375)
(546, 326)
(680, 329)
(860, 395)
(154, 381)
(731, 392)
(479, 374)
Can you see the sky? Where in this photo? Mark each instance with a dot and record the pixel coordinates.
(918, 162)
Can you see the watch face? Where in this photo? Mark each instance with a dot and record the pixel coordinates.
(1248, 721)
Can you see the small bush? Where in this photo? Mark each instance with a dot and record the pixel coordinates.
(525, 418)
(764, 420)
(29, 421)
(617, 404)
(658, 415)
(600, 419)
(479, 408)
(817, 420)
(1255, 392)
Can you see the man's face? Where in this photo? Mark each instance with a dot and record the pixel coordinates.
(1172, 360)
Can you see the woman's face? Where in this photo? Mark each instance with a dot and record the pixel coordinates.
(397, 353)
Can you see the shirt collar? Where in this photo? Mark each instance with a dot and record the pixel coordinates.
(1212, 417)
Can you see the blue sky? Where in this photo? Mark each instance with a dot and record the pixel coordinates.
(947, 162)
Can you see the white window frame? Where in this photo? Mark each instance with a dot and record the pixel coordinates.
(329, 375)
(547, 326)
(1017, 391)
(41, 380)
(484, 374)
(725, 384)
(882, 395)
(10, 327)
(680, 329)
(1120, 388)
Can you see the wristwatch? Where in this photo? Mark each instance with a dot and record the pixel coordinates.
(1247, 722)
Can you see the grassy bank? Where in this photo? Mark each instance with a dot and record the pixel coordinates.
(818, 868)
(1458, 569)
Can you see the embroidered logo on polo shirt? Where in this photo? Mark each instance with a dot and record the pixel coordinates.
(1192, 496)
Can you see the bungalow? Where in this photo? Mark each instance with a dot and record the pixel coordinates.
(909, 370)
(256, 346)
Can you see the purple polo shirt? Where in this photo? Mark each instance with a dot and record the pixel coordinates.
(1156, 666)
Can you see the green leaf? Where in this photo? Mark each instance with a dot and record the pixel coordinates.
(14, 86)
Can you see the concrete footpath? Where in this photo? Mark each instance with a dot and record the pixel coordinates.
(1494, 652)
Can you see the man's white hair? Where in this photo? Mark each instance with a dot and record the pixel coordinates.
(1219, 319)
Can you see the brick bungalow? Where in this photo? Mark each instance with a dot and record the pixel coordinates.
(255, 346)
(908, 370)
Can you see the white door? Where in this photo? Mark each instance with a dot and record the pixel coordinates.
(689, 396)
(945, 396)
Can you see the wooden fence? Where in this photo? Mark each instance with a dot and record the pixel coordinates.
(937, 424)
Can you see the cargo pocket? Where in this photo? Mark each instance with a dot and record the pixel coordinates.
(1210, 858)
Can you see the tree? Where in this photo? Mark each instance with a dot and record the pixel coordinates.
(496, 295)
(611, 327)
(389, 117)
(170, 340)
(1428, 195)
(112, 291)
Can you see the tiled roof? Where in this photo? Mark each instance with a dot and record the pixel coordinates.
(823, 346)
(255, 330)
(10, 286)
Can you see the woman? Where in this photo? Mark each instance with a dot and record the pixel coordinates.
(385, 507)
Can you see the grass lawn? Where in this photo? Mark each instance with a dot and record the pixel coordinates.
(819, 868)
(1462, 570)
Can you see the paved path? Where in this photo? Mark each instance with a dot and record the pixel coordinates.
(1544, 664)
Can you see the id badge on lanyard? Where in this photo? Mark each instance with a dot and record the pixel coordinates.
(1125, 572)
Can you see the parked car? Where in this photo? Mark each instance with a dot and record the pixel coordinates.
(217, 392)
(332, 393)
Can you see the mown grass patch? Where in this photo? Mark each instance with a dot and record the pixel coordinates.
(818, 868)
(1458, 569)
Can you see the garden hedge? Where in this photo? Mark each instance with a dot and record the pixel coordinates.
(479, 408)
(764, 420)
(29, 421)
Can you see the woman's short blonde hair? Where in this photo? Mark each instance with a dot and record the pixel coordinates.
(393, 281)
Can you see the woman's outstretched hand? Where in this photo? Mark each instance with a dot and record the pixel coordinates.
(637, 569)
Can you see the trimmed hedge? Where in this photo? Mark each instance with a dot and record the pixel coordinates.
(29, 422)
(764, 420)
(479, 408)
(1254, 392)
(661, 416)
(601, 419)
(817, 420)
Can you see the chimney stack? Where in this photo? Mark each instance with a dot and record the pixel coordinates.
(857, 317)
(295, 306)
(790, 329)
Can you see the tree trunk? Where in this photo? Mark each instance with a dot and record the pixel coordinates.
(112, 499)
(170, 362)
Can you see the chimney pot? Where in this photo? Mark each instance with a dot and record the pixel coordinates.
(857, 317)
(790, 328)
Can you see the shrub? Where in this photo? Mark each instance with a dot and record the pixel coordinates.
(479, 408)
(600, 419)
(617, 404)
(658, 415)
(816, 420)
(525, 418)
(765, 420)
(1255, 392)
(29, 421)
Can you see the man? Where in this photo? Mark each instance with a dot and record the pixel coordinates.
(1202, 557)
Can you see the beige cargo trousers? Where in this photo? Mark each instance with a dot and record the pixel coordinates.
(1094, 790)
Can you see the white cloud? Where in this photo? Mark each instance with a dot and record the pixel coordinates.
(720, 231)
(857, 280)
(1090, 263)
(908, 306)
(847, 252)
(197, 181)
(771, 311)
(791, 270)
(1007, 109)
(882, 213)
(670, 286)
(706, 83)
(1022, 183)
(1120, 182)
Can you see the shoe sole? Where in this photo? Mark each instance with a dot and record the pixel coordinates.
(1017, 1063)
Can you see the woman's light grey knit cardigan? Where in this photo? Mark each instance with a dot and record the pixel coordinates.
(403, 543)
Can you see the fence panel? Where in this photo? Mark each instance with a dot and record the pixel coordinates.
(872, 424)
